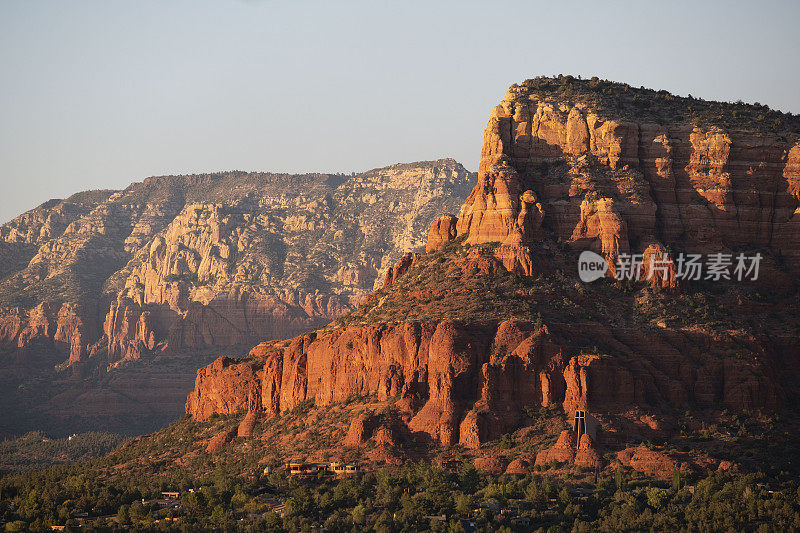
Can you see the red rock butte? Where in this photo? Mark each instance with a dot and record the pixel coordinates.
(560, 173)
(621, 185)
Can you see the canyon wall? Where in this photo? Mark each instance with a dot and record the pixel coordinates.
(191, 262)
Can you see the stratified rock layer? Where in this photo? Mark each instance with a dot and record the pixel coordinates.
(615, 185)
(214, 260)
(188, 264)
(469, 383)
(557, 177)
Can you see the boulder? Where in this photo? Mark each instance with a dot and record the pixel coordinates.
(220, 440)
(490, 465)
(563, 451)
(443, 230)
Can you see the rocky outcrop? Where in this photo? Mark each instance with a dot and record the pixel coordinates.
(468, 383)
(651, 462)
(601, 225)
(610, 184)
(128, 330)
(66, 330)
(519, 467)
(600, 382)
(51, 219)
(493, 466)
(76, 328)
(217, 275)
(587, 455)
(223, 259)
(568, 450)
(226, 386)
(563, 451)
(384, 429)
(556, 176)
(361, 429)
(248, 424)
(220, 440)
(443, 230)
(402, 266)
(658, 269)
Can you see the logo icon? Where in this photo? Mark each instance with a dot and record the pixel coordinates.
(591, 266)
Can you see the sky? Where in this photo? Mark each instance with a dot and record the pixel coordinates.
(99, 94)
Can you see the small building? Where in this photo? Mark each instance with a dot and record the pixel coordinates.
(297, 468)
(337, 468)
(311, 469)
(170, 495)
(280, 509)
(451, 465)
(349, 470)
(581, 492)
(584, 423)
(490, 505)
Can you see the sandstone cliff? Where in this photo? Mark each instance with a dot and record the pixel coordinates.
(468, 383)
(492, 322)
(614, 176)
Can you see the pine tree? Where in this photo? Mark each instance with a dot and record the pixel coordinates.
(676, 480)
(619, 478)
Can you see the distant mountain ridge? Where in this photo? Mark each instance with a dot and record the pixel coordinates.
(193, 263)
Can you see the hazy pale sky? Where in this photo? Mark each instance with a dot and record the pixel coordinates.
(98, 94)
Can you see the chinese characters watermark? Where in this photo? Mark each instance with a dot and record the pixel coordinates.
(690, 267)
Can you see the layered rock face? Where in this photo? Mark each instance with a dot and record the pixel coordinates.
(181, 264)
(616, 185)
(262, 255)
(557, 176)
(469, 383)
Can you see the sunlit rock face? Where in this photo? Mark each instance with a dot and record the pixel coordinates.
(467, 384)
(558, 176)
(614, 183)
